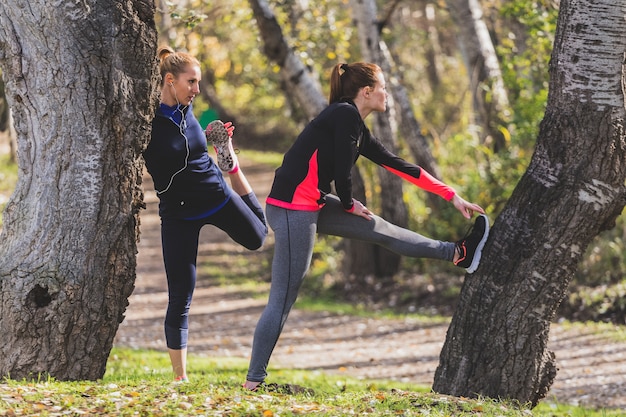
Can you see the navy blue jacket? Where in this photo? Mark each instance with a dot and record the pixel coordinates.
(188, 182)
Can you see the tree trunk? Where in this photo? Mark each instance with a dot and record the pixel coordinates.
(392, 206)
(80, 78)
(411, 129)
(359, 262)
(433, 52)
(490, 99)
(295, 74)
(574, 188)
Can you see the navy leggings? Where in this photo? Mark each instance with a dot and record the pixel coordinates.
(242, 218)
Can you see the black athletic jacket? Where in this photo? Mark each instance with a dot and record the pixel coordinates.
(326, 150)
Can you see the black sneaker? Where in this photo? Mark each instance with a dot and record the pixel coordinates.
(289, 389)
(217, 134)
(470, 248)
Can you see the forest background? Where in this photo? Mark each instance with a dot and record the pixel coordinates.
(242, 85)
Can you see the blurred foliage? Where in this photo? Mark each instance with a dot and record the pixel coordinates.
(224, 36)
(605, 260)
(605, 303)
(473, 168)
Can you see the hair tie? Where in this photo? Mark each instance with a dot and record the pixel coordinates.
(344, 67)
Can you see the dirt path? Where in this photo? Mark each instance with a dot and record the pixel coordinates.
(592, 368)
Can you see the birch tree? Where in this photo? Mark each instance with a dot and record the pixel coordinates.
(489, 97)
(391, 204)
(296, 76)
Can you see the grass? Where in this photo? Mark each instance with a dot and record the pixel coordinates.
(334, 306)
(8, 179)
(610, 331)
(138, 383)
(273, 159)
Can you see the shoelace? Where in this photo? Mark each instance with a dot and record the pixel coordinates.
(459, 246)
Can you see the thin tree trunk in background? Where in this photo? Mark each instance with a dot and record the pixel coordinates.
(574, 188)
(296, 76)
(392, 207)
(490, 99)
(433, 52)
(411, 129)
(360, 260)
(80, 80)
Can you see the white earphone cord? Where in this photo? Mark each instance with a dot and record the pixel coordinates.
(181, 128)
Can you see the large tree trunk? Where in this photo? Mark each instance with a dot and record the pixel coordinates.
(574, 188)
(80, 78)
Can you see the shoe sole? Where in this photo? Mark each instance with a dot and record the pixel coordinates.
(479, 249)
(289, 389)
(218, 136)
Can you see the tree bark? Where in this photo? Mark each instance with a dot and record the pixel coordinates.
(80, 78)
(573, 189)
(433, 52)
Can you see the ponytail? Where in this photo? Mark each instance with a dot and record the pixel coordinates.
(347, 79)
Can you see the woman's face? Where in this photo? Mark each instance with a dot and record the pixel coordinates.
(185, 87)
(378, 94)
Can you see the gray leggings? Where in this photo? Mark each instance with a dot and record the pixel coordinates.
(294, 233)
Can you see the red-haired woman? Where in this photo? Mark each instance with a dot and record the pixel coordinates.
(300, 204)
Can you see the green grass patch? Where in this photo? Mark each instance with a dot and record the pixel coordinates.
(139, 383)
(342, 308)
(8, 179)
(234, 269)
(273, 159)
(8, 174)
(608, 331)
